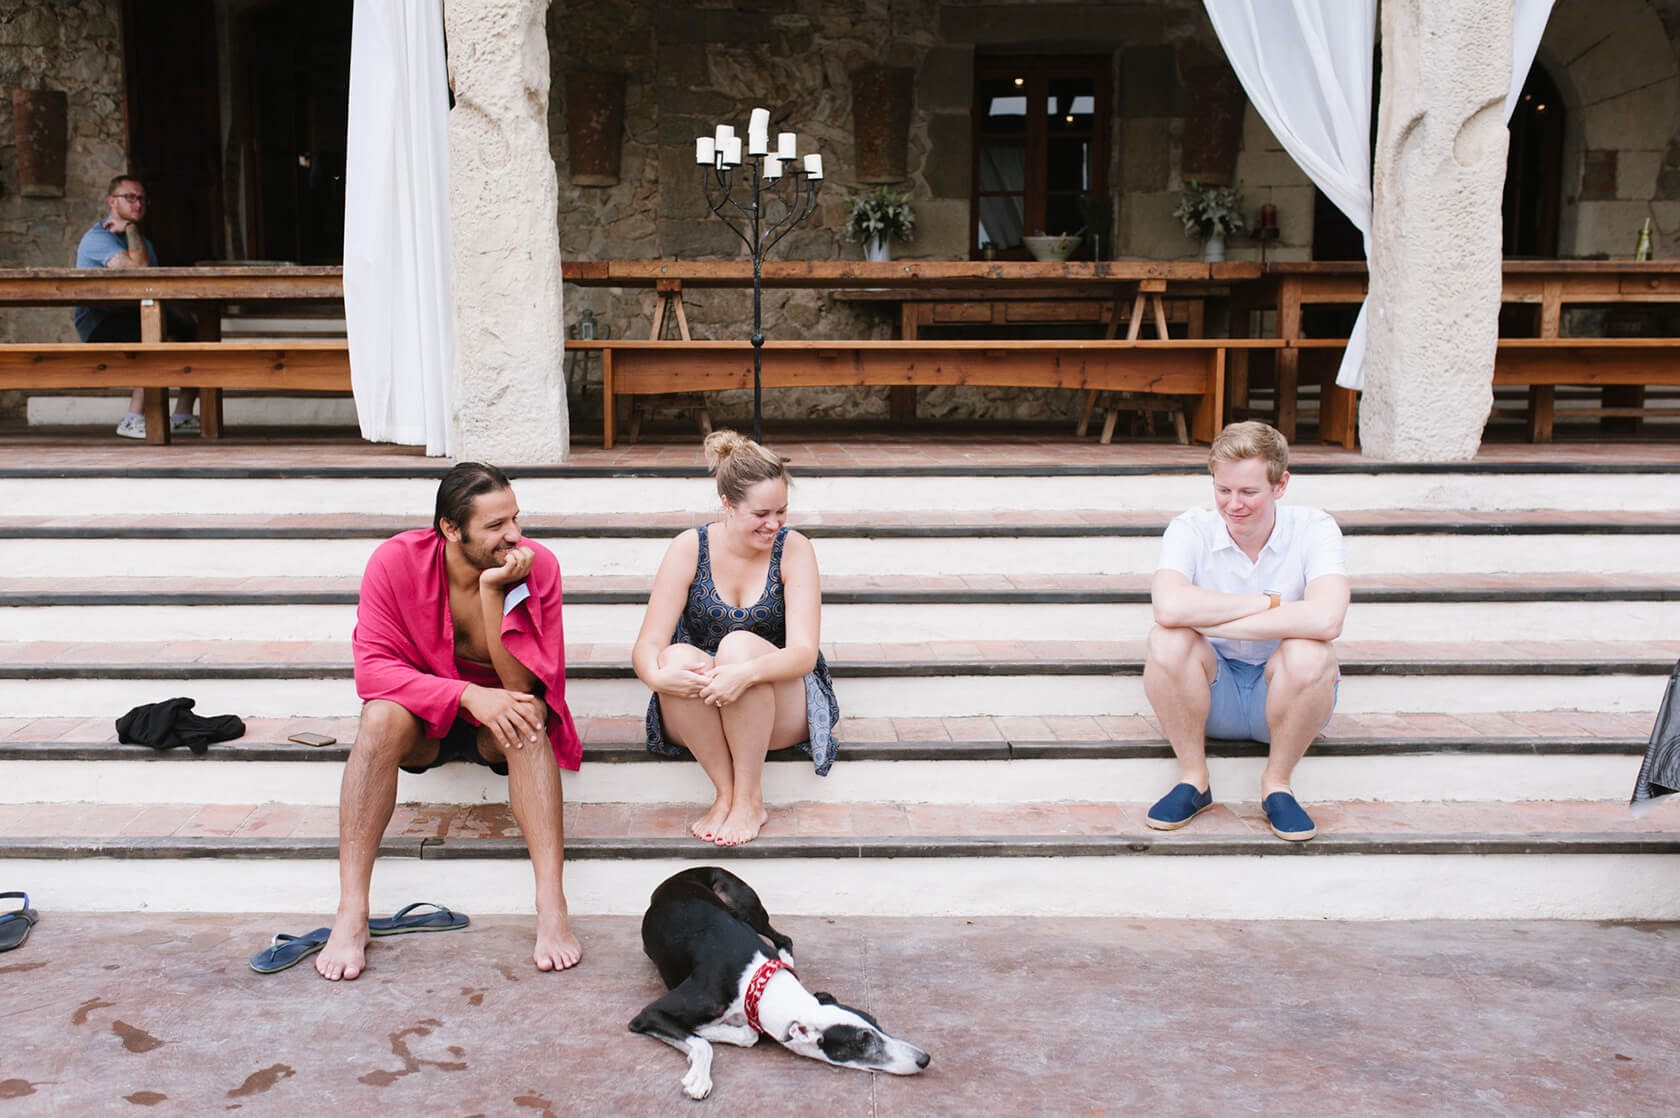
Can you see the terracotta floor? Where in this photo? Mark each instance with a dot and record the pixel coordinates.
(590, 821)
(337, 653)
(1535, 726)
(825, 445)
(1048, 1017)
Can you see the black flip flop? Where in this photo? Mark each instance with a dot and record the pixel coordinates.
(16, 925)
(407, 920)
(284, 951)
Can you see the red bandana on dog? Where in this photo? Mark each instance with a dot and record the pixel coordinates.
(755, 989)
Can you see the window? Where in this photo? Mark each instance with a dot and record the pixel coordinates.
(1040, 147)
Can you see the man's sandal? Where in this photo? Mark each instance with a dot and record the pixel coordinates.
(16, 925)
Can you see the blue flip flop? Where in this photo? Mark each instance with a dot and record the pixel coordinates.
(286, 951)
(15, 925)
(406, 920)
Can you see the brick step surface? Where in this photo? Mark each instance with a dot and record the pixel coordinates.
(1128, 520)
(191, 589)
(975, 494)
(824, 444)
(812, 829)
(615, 740)
(994, 619)
(332, 658)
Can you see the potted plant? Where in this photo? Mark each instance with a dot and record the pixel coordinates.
(874, 219)
(1211, 213)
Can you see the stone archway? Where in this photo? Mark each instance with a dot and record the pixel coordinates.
(1614, 63)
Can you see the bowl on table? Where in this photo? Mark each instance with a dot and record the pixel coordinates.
(1052, 249)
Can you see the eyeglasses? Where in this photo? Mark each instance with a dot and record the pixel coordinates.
(131, 197)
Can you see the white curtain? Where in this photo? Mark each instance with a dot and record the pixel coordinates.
(1525, 44)
(1306, 66)
(396, 225)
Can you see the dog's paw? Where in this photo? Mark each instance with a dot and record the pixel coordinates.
(787, 955)
(697, 1084)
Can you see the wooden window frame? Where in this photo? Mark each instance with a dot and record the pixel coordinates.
(1039, 70)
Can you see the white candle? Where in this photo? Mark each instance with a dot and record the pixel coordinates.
(813, 165)
(705, 150)
(732, 151)
(772, 168)
(760, 121)
(786, 145)
(758, 142)
(724, 132)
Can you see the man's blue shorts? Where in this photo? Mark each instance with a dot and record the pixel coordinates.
(1237, 701)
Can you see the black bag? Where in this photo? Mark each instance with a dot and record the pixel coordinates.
(168, 724)
(1659, 776)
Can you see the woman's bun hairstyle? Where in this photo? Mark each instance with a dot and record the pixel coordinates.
(738, 463)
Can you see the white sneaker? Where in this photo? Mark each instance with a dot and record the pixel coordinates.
(133, 426)
(184, 424)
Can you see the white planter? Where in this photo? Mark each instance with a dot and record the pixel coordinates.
(877, 249)
(1214, 248)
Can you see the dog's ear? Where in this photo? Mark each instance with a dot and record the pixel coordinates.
(824, 998)
(867, 1017)
(801, 1033)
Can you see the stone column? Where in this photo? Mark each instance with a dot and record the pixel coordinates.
(1435, 254)
(510, 386)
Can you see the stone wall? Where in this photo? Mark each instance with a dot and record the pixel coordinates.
(74, 46)
(689, 67)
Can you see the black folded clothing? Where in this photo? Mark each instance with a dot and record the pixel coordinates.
(171, 723)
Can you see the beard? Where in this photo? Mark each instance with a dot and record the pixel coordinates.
(484, 557)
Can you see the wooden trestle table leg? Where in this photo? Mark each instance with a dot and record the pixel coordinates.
(155, 406)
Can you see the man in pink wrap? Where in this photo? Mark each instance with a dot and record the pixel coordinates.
(459, 655)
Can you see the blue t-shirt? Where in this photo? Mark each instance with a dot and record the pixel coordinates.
(97, 246)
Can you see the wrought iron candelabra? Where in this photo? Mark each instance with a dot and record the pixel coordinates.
(761, 200)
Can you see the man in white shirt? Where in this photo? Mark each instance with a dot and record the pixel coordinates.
(1248, 596)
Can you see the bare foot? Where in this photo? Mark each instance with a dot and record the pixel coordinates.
(706, 827)
(741, 826)
(557, 948)
(345, 955)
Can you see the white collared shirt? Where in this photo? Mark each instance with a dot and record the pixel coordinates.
(1305, 543)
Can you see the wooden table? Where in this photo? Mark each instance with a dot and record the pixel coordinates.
(306, 365)
(1549, 285)
(929, 292)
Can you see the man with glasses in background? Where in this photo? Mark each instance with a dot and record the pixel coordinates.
(115, 241)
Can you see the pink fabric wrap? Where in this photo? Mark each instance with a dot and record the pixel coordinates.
(405, 637)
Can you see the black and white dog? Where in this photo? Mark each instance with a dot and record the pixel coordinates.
(708, 934)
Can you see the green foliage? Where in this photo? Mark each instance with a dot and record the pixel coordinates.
(881, 214)
(1206, 210)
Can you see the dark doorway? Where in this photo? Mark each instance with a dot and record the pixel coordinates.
(292, 86)
(174, 125)
(1534, 169)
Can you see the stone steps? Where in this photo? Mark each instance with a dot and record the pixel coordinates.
(997, 751)
(953, 771)
(1374, 861)
(888, 619)
(933, 679)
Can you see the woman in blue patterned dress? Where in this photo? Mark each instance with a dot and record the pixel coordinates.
(729, 642)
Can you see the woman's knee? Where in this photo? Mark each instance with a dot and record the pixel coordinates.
(683, 656)
(741, 646)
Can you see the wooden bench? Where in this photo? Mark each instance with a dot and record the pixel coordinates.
(208, 366)
(1187, 367)
(1539, 364)
(1542, 364)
